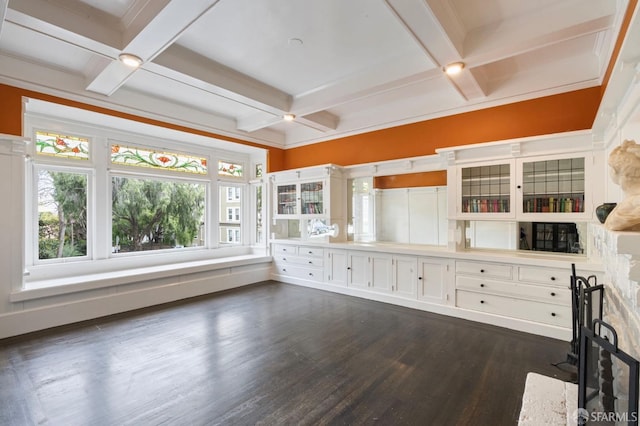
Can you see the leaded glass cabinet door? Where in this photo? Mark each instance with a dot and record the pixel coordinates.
(286, 199)
(312, 198)
(554, 187)
(486, 190)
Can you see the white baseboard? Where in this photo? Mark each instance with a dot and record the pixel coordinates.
(26, 321)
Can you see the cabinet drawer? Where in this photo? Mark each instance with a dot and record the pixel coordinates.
(284, 249)
(484, 269)
(549, 276)
(311, 274)
(307, 261)
(311, 251)
(516, 308)
(554, 295)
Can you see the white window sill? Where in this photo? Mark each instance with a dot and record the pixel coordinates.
(74, 284)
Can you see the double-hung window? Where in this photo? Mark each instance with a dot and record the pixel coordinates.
(98, 200)
(232, 186)
(61, 198)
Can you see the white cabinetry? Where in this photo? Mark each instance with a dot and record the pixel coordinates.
(301, 262)
(305, 195)
(380, 272)
(358, 269)
(538, 188)
(383, 272)
(405, 276)
(526, 292)
(432, 280)
(540, 179)
(336, 271)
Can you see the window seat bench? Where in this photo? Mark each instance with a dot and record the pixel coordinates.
(72, 284)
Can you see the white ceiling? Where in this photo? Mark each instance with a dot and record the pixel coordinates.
(234, 67)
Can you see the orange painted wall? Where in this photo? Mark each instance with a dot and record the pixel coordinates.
(11, 120)
(411, 180)
(552, 114)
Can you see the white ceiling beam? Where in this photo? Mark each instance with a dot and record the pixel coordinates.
(179, 63)
(555, 24)
(442, 48)
(323, 121)
(86, 27)
(182, 64)
(257, 121)
(61, 83)
(153, 31)
(3, 13)
(354, 89)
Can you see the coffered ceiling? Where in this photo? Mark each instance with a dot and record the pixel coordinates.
(342, 67)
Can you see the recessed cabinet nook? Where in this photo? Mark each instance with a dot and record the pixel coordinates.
(515, 217)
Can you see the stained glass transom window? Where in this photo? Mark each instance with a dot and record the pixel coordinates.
(62, 146)
(143, 157)
(229, 169)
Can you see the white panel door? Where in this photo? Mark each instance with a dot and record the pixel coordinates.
(405, 276)
(431, 280)
(381, 272)
(358, 270)
(336, 267)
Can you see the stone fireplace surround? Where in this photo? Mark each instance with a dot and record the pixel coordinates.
(620, 254)
(547, 400)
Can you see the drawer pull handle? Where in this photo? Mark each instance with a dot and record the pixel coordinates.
(553, 278)
(284, 249)
(553, 294)
(284, 269)
(482, 271)
(348, 268)
(482, 301)
(310, 262)
(284, 258)
(419, 278)
(481, 285)
(553, 314)
(310, 274)
(310, 252)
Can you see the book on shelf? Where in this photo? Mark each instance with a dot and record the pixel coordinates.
(485, 205)
(553, 205)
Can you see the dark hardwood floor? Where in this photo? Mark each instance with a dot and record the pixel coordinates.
(271, 354)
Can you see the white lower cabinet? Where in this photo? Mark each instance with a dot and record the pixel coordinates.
(301, 262)
(530, 293)
(380, 272)
(530, 298)
(432, 279)
(358, 269)
(336, 267)
(405, 276)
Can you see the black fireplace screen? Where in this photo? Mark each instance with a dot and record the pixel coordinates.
(608, 379)
(586, 306)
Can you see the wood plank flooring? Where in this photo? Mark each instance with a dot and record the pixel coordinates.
(271, 354)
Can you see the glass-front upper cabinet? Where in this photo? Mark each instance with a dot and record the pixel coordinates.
(300, 198)
(486, 189)
(286, 199)
(311, 196)
(553, 186)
